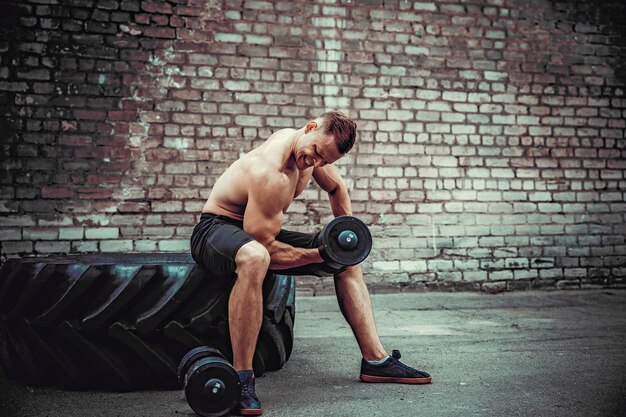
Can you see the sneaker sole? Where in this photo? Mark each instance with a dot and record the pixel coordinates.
(250, 412)
(394, 380)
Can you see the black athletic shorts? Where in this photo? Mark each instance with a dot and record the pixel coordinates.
(216, 239)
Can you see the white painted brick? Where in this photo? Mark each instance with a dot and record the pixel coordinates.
(438, 128)
(388, 266)
(438, 195)
(475, 275)
(258, 39)
(145, 245)
(425, 6)
(84, 247)
(489, 196)
(52, 247)
(389, 172)
(412, 104)
(37, 233)
(464, 195)
(430, 208)
(390, 126)
(416, 50)
(71, 233)
(428, 95)
(503, 120)
(404, 208)
(504, 98)
(327, 22)
(228, 37)
(454, 96)
(440, 265)
(500, 275)
(445, 161)
(413, 266)
(401, 115)
(453, 118)
(102, 233)
(550, 207)
(525, 273)
(491, 241)
(383, 195)
(174, 245)
(116, 246)
(502, 173)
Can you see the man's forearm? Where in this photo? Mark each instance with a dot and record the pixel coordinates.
(284, 256)
(340, 202)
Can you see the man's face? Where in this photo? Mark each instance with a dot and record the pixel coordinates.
(316, 149)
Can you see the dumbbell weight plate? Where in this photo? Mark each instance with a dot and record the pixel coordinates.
(340, 247)
(212, 387)
(192, 356)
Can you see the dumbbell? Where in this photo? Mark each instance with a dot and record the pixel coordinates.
(212, 386)
(345, 241)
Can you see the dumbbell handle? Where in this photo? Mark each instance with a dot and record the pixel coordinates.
(327, 259)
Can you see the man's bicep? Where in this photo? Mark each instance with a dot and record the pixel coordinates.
(262, 218)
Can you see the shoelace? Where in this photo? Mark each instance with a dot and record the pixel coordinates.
(247, 388)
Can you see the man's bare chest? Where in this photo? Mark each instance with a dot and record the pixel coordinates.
(301, 182)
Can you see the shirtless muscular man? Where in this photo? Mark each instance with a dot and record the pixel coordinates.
(240, 237)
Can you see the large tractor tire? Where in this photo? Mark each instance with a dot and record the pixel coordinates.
(124, 321)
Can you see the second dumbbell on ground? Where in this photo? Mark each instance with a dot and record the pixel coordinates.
(212, 386)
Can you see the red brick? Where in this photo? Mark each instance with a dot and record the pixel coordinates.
(189, 11)
(137, 207)
(102, 179)
(160, 20)
(156, 7)
(160, 32)
(126, 115)
(57, 193)
(94, 193)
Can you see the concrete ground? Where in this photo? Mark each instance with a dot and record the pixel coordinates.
(515, 354)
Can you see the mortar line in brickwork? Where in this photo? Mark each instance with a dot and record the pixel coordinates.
(432, 221)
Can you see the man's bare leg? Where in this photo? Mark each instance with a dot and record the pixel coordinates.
(356, 306)
(245, 306)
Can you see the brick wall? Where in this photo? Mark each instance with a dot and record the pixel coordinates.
(491, 152)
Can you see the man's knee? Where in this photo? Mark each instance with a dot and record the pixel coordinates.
(253, 256)
(353, 272)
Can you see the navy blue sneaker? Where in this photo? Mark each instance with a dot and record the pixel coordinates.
(393, 371)
(249, 404)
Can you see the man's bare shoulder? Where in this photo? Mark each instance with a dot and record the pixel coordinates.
(281, 132)
(267, 177)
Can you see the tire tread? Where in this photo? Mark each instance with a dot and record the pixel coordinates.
(123, 322)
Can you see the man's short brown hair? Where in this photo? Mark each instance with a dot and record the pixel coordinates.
(342, 128)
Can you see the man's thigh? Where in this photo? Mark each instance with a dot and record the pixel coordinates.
(215, 243)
